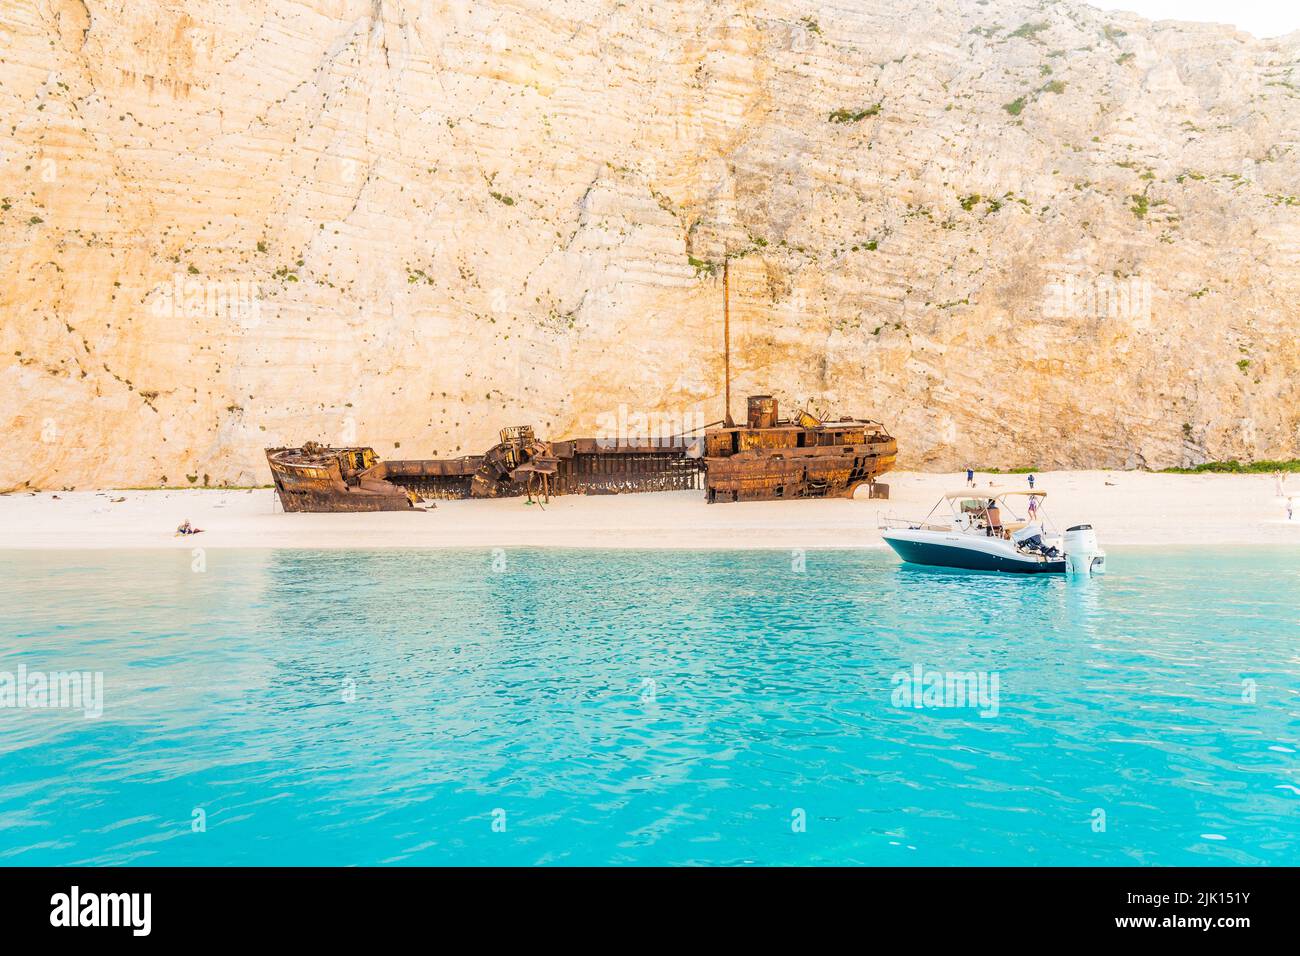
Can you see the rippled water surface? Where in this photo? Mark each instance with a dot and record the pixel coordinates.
(649, 707)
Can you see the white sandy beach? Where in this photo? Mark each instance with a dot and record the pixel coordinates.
(1127, 508)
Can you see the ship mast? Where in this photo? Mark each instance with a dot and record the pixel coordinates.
(726, 336)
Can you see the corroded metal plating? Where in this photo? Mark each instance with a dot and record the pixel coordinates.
(317, 478)
(769, 459)
(765, 459)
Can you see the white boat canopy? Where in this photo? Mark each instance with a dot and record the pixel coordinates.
(986, 493)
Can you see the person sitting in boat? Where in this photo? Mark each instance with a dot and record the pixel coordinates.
(994, 518)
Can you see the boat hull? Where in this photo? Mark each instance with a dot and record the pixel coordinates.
(968, 552)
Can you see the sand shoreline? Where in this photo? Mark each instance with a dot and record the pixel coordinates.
(1127, 508)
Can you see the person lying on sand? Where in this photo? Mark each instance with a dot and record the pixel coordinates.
(187, 528)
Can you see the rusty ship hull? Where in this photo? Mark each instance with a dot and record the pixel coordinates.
(324, 479)
(319, 478)
(769, 459)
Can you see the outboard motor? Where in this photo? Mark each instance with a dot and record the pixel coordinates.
(1082, 553)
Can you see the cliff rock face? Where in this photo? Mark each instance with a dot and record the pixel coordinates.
(1017, 233)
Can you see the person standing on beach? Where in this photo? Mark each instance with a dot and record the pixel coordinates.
(970, 477)
(1280, 480)
(1031, 482)
(1290, 510)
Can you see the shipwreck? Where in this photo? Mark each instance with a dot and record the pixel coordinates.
(765, 459)
(769, 458)
(318, 478)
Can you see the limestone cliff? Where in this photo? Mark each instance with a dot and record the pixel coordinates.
(1018, 233)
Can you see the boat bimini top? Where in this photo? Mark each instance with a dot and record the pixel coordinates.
(993, 493)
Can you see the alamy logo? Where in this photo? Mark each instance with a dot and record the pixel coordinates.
(233, 300)
(68, 690)
(922, 689)
(1098, 297)
(102, 909)
(665, 429)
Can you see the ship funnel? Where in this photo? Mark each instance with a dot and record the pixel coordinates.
(762, 411)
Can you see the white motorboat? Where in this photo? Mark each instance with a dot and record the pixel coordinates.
(984, 532)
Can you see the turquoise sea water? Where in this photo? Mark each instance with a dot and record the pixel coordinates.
(650, 708)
